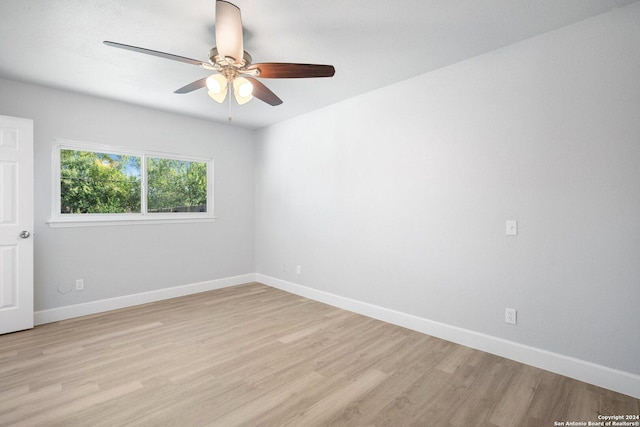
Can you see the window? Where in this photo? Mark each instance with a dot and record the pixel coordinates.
(94, 182)
(176, 185)
(99, 185)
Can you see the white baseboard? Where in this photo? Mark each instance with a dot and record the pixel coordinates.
(93, 307)
(601, 376)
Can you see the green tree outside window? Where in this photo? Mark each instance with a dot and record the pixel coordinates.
(99, 182)
(176, 185)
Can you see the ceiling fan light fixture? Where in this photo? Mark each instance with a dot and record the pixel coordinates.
(242, 90)
(233, 66)
(217, 86)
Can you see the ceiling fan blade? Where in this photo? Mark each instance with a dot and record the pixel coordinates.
(193, 86)
(281, 70)
(229, 31)
(155, 53)
(263, 93)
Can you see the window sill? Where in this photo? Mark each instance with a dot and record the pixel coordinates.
(129, 220)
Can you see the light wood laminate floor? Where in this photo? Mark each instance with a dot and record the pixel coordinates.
(253, 355)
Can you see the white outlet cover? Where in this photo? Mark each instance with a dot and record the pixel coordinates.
(510, 316)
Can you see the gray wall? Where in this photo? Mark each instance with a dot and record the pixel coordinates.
(124, 260)
(399, 197)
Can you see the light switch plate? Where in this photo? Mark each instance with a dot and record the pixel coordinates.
(512, 227)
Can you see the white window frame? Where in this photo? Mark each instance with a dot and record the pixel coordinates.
(99, 219)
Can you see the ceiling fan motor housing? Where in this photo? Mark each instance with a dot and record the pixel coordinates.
(215, 58)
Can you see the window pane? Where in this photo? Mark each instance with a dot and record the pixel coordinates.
(93, 182)
(176, 185)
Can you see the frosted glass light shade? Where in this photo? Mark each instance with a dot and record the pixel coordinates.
(217, 85)
(242, 90)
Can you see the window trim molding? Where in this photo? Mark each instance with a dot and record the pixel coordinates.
(58, 219)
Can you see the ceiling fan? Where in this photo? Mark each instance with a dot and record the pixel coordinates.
(232, 65)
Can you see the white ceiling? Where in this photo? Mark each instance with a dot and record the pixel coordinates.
(371, 43)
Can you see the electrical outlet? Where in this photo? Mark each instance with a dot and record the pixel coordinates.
(510, 315)
(79, 284)
(298, 269)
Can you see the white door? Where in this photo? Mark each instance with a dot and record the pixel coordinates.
(16, 224)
